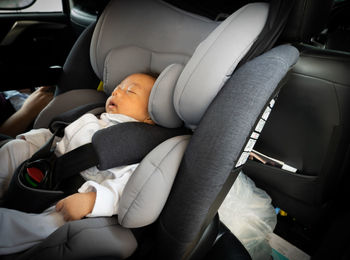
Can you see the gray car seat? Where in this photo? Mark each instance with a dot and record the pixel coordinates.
(208, 161)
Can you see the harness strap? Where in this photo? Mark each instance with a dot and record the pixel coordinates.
(75, 161)
(45, 151)
(64, 119)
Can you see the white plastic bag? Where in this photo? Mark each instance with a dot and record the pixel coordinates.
(248, 213)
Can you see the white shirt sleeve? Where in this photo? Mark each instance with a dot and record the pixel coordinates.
(36, 137)
(78, 133)
(108, 191)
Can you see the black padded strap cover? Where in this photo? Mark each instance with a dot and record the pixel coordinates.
(75, 161)
(130, 142)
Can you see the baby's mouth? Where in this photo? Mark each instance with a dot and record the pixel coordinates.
(112, 104)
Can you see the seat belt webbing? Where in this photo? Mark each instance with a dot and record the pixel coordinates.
(75, 161)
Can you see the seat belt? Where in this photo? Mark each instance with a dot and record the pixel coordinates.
(72, 163)
(65, 166)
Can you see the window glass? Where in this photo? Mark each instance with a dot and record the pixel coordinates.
(45, 6)
(42, 6)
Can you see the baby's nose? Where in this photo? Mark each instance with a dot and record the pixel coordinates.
(115, 92)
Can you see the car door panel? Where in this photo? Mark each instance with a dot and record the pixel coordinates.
(29, 46)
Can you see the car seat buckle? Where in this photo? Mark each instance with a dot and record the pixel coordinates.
(35, 174)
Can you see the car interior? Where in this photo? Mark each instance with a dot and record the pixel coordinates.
(307, 129)
(221, 66)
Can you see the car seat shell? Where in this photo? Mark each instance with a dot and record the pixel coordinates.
(186, 231)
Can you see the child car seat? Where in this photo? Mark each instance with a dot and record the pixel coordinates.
(208, 163)
(205, 173)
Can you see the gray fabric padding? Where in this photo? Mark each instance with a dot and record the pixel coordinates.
(148, 188)
(151, 25)
(215, 59)
(88, 238)
(120, 63)
(215, 148)
(160, 105)
(123, 61)
(67, 101)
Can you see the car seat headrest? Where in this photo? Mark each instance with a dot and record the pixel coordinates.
(168, 40)
(123, 61)
(155, 35)
(160, 105)
(215, 59)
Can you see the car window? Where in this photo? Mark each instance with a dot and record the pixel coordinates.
(40, 6)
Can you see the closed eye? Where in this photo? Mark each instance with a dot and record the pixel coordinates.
(130, 91)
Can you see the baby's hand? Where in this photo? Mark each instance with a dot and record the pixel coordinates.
(76, 206)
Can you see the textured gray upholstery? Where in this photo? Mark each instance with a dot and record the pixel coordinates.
(215, 147)
(103, 237)
(150, 36)
(120, 63)
(208, 69)
(163, 40)
(160, 102)
(151, 32)
(148, 188)
(215, 59)
(66, 102)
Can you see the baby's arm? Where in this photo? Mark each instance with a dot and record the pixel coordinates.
(97, 199)
(76, 206)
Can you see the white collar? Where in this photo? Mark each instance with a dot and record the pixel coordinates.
(117, 118)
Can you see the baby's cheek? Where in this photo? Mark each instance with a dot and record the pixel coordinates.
(106, 104)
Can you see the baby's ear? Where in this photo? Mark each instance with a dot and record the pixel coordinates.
(148, 120)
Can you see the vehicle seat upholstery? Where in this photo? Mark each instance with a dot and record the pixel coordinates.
(164, 39)
(309, 126)
(139, 210)
(306, 21)
(237, 113)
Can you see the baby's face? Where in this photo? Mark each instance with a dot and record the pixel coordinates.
(131, 96)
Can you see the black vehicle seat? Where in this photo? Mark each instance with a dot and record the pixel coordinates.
(337, 36)
(176, 237)
(309, 126)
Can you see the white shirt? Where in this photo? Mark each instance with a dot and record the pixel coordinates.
(108, 184)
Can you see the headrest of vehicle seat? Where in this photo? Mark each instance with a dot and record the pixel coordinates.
(211, 64)
(215, 59)
(124, 61)
(143, 36)
(160, 105)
